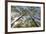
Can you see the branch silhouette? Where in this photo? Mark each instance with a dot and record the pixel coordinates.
(17, 20)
